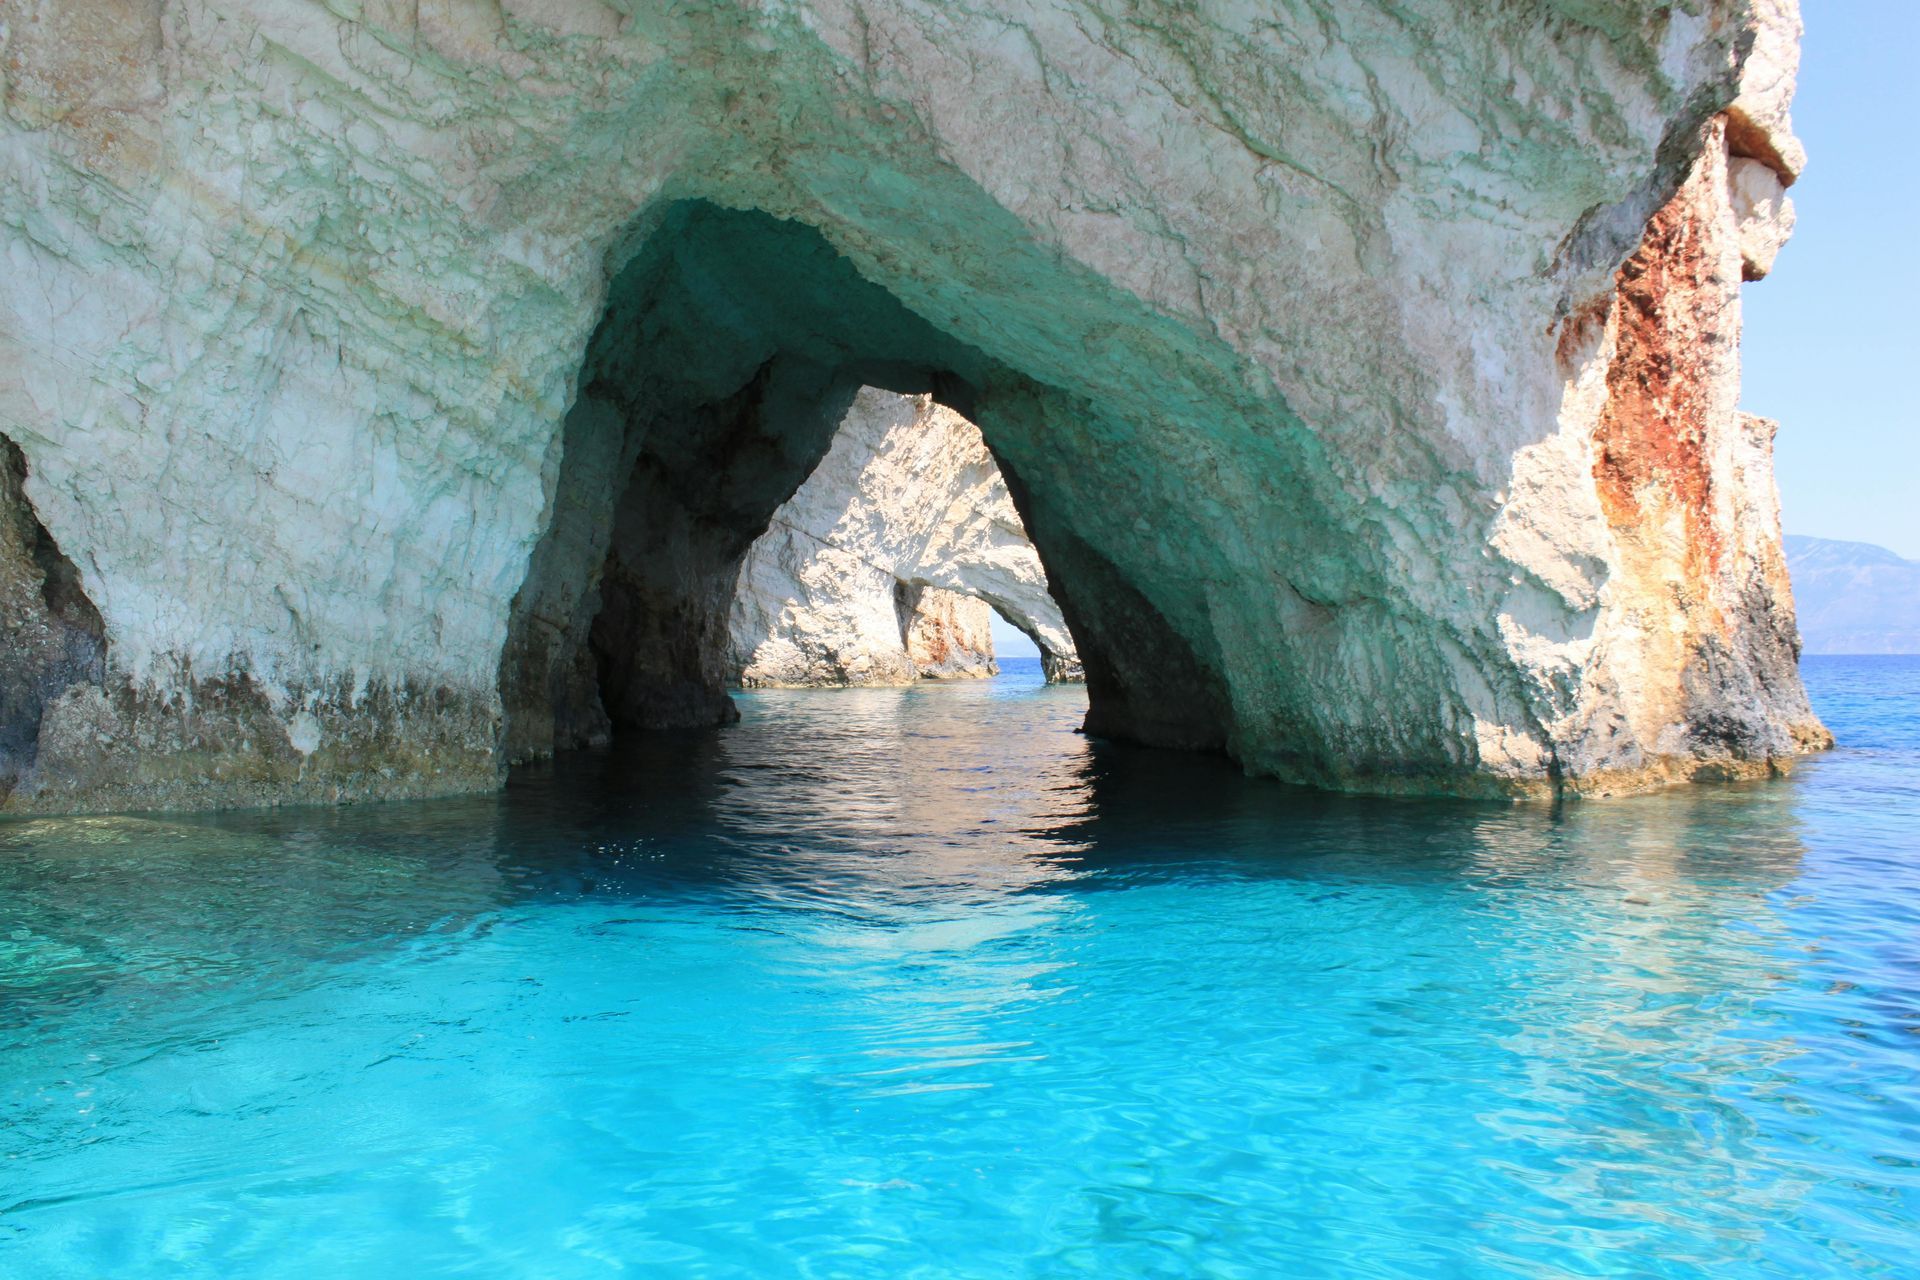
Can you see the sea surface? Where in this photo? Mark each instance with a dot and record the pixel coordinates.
(923, 983)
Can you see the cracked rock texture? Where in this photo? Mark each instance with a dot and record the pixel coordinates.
(949, 636)
(404, 381)
(886, 564)
(50, 633)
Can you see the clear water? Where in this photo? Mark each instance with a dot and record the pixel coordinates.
(922, 983)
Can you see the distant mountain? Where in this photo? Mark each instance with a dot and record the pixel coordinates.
(1854, 597)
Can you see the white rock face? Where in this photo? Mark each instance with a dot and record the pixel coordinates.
(864, 575)
(350, 347)
(1763, 211)
(950, 636)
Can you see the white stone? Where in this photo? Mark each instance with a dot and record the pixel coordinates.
(1762, 121)
(1310, 306)
(1764, 212)
(907, 498)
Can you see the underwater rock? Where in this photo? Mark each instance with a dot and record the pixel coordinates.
(405, 383)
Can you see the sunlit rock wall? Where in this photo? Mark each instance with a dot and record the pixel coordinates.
(949, 636)
(862, 576)
(1365, 371)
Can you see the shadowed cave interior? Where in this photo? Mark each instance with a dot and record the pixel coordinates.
(731, 347)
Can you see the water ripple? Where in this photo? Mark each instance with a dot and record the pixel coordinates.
(923, 983)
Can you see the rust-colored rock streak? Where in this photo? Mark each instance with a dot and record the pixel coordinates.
(1676, 316)
(1685, 483)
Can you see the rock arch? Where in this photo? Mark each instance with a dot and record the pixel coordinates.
(905, 530)
(1364, 372)
(733, 346)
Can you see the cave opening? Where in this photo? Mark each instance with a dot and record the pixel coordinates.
(892, 560)
(732, 347)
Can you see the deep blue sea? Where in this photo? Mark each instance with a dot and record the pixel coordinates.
(923, 983)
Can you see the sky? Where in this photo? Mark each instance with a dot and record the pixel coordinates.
(1010, 642)
(1832, 343)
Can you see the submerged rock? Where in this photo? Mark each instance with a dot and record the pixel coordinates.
(887, 563)
(405, 383)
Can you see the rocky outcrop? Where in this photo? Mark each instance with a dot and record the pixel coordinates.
(885, 565)
(50, 633)
(406, 382)
(949, 636)
(1697, 597)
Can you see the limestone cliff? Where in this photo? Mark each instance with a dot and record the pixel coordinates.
(404, 383)
(885, 565)
(949, 636)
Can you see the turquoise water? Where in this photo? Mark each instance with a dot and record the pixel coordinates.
(922, 984)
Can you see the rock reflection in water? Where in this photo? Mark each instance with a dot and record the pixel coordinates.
(881, 979)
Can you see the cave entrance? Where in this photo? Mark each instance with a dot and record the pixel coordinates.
(732, 348)
(891, 562)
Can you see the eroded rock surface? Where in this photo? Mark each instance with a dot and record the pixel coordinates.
(50, 633)
(949, 636)
(405, 382)
(886, 564)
